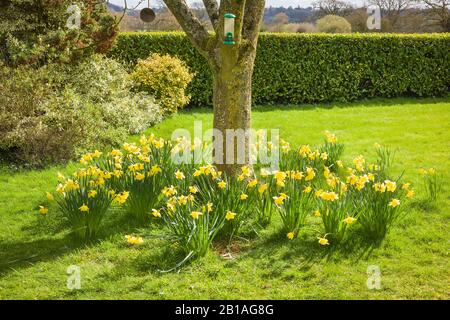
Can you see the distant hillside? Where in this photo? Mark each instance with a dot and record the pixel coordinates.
(295, 14)
(114, 8)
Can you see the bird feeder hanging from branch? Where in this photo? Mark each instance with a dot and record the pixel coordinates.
(229, 29)
(147, 14)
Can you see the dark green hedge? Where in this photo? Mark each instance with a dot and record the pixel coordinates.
(299, 68)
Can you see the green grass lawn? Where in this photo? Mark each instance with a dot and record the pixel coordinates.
(35, 251)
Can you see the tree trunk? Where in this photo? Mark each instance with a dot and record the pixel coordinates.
(232, 68)
(232, 99)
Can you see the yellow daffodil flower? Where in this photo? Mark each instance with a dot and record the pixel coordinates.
(263, 188)
(323, 241)
(97, 154)
(154, 170)
(310, 174)
(352, 179)
(92, 193)
(230, 215)
(222, 184)
(349, 220)
(193, 189)
(132, 240)
(196, 214)
(116, 153)
(182, 200)
(390, 185)
(329, 196)
(326, 172)
(84, 208)
(169, 191)
(179, 175)
(245, 171)
(359, 163)
(121, 198)
(394, 203)
(304, 150)
(156, 213)
(298, 175)
(252, 183)
(330, 137)
(280, 199)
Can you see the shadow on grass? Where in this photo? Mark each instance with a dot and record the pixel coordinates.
(268, 251)
(424, 205)
(273, 252)
(163, 260)
(60, 240)
(374, 102)
(309, 251)
(158, 260)
(17, 255)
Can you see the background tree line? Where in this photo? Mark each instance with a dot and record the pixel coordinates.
(404, 16)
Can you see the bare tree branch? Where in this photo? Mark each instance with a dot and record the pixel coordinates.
(212, 8)
(391, 8)
(195, 30)
(254, 10)
(440, 11)
(124, 11)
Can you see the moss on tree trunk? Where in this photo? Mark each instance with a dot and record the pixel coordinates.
(232, 101)
(232, 67)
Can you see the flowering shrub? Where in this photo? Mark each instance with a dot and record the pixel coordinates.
(57, 112)
(166, 78)
(196, 203)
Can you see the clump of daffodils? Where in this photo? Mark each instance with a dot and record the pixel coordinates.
(196, 203)
(432, 183)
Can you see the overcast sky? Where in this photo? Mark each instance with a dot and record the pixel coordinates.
(275, 3)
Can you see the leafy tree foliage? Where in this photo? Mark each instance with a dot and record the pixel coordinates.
(36, 32)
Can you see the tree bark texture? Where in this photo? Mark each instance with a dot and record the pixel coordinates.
(231, 66)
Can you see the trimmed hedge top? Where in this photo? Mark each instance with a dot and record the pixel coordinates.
(309, 68)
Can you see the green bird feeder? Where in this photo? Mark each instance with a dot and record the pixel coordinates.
(229, 29)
